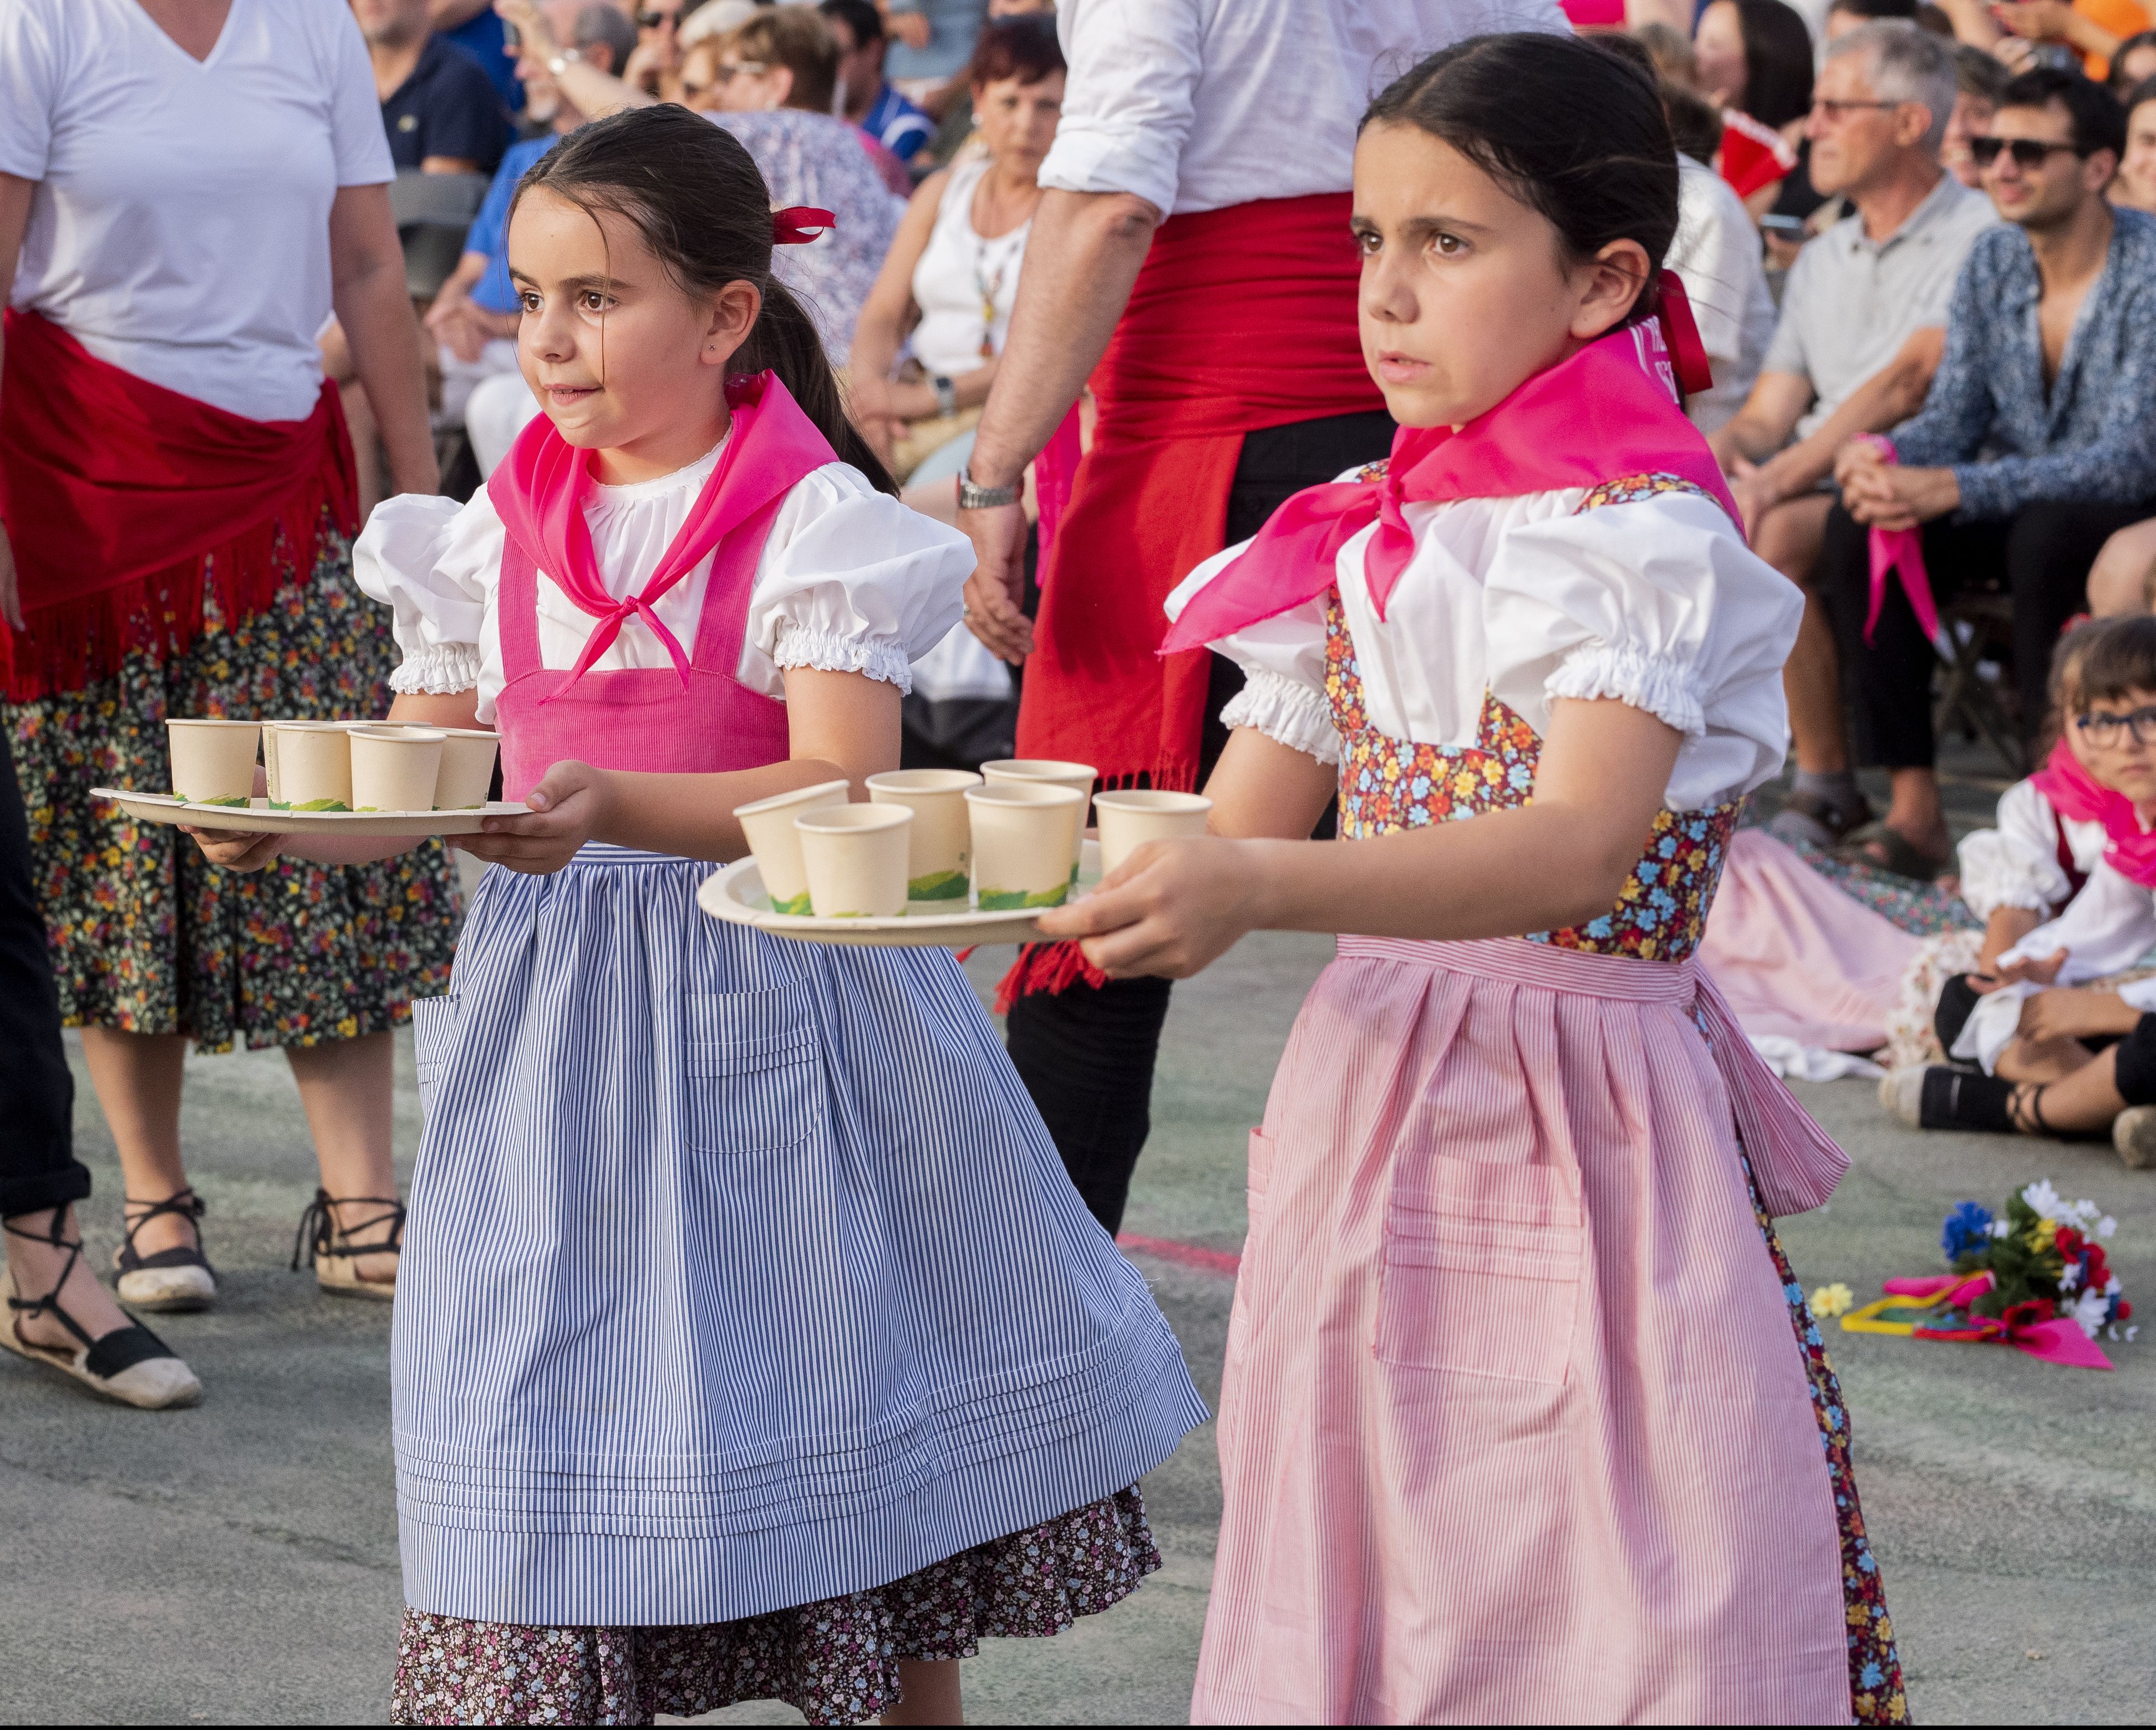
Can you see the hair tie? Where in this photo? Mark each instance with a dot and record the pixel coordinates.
(1681, 336)
(800, 223)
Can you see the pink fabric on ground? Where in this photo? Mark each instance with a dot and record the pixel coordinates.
(1794, 956)
(1513, 1427)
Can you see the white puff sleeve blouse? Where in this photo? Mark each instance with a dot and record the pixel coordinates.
(1656, 603)
(2017, 864)
(849, 581)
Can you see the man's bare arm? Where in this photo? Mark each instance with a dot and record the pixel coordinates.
(1886, 399)
(1770, 414)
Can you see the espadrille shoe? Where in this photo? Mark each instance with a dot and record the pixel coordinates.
(180, 1278)
(129, 1364)
(334, 1255)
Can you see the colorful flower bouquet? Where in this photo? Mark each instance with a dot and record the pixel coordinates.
(2038, 1280)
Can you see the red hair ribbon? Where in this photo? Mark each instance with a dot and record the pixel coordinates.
(800, 223)
(1681, 336)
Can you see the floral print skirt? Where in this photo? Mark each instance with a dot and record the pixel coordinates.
(835, 1661)
(147, 936)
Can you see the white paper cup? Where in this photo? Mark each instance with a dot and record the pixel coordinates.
(213, 761)
(1131, 818)
(1023, 835)
(769, 826)
(856, 856)
(310, 765)
(468, 755)
(395, 768)
(1050, 772)
(942, 843)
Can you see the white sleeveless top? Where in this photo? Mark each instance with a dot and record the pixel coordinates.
(958, 275)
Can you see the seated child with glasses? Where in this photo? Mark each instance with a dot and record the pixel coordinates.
(2040, 1049)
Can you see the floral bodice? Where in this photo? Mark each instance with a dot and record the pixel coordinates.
(1387, 784)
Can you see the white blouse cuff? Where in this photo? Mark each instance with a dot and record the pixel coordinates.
(1286, 710)
(1667, 688)
(2001, 870)
(438, 669)
(883, 658)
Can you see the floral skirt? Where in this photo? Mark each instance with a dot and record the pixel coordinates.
(834, 1662)
(147, 936)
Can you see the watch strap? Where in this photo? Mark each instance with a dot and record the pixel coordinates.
(972, 497)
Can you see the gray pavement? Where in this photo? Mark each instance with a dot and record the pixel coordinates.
(237, 1562)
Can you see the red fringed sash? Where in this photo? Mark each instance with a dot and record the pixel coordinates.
(1241, 319)
(119, 496)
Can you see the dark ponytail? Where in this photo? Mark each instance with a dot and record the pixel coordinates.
(1608, 172)
(698, 199)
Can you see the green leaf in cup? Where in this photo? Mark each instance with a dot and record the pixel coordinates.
(937, 886)
(237, 803)
(1009, 900)
(320, 805)
(792, 904)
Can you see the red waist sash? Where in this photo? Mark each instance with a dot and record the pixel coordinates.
(1241, 319)
(121, 498)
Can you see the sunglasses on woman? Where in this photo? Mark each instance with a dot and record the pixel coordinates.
(2027, 152)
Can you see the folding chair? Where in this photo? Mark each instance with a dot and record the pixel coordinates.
(1980, 627)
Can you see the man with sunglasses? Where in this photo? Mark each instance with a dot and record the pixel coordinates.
(1863, 321)
(2036, 443)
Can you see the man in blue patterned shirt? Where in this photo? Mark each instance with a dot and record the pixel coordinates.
(2035, 443)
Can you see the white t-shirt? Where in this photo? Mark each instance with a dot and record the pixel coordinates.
(180, 228)
(1717, 253)
(1656, 603)
(1198, 105)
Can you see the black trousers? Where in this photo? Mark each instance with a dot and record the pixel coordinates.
(1087, 1055)
(2136, 1072)
(38, 1166)
(2040, 556)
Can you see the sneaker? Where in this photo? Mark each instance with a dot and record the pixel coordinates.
(2133, 1134)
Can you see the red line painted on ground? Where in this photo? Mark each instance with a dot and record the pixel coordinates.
(1212, 1261)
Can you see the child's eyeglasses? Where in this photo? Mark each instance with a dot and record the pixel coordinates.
(2027, 152)
(2103, 730)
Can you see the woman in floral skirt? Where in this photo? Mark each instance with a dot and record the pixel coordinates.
(188, 188)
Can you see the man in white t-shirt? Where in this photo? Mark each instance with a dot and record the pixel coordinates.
(1716, 255)
(1863, 324)
(1207, 144)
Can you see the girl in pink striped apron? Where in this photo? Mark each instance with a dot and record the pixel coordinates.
(751, 1340)
(1524, 1418)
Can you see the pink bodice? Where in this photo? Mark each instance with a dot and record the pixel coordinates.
(638, 718)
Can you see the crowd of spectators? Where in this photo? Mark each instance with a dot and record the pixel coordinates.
(1913, 237)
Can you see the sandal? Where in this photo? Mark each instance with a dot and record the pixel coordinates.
(167, 1281)
(332, 1253)
(1895, 854)
(1818, 821)
(129, 1364)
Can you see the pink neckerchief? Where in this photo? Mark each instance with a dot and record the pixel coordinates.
(539, 490)
(1900, 553)
(2129, 849)
(1609, 411)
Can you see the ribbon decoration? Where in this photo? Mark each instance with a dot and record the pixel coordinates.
(1900, 553)
(2051, 1338)
(798, 224)
(1681, 336)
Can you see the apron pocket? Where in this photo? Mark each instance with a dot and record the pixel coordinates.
(1482, 1272)
(433, 1037)
(756, 1080)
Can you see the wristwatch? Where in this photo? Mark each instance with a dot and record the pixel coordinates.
(946, 393)
(560, 62)
(984, 498)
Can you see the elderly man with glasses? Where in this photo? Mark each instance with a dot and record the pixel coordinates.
(2036, 443)
(1863, 321)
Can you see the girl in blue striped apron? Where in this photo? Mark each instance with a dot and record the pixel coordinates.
(750, 1341)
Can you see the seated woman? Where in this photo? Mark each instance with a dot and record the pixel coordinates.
(2057, 1055)
(954, 265)
(772, 83)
